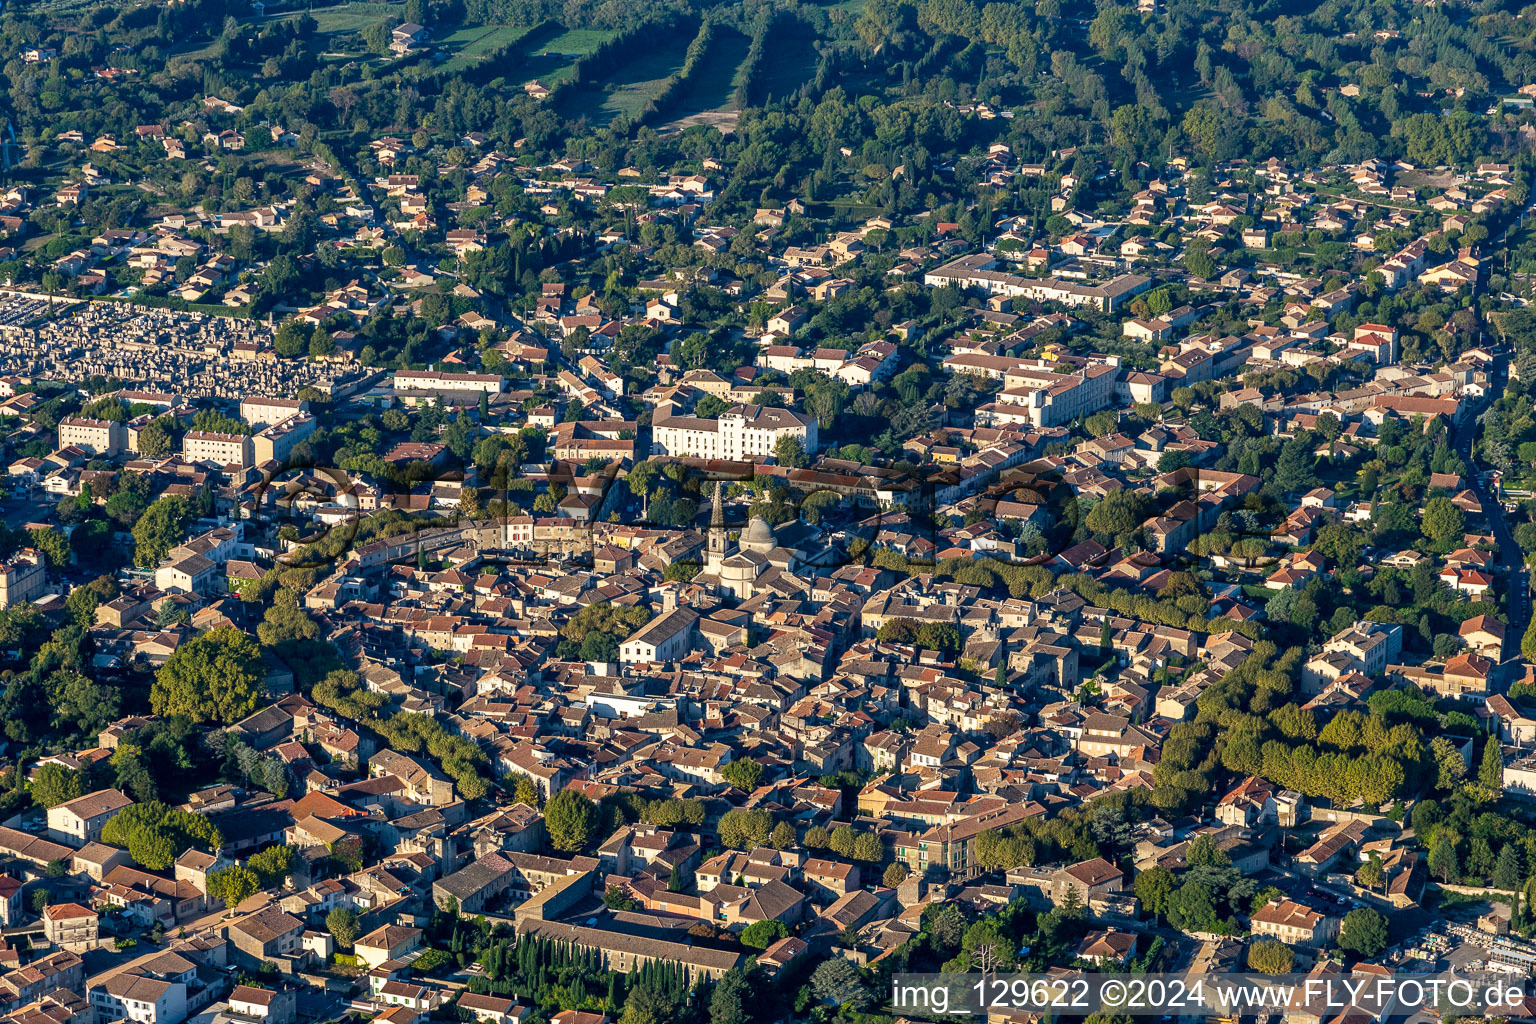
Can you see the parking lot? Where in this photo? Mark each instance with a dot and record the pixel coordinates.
(1312, 892)
(17, 511)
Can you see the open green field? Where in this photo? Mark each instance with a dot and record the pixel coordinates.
(630, 87)
(470, 46)
(337, 20)
(575, 42)
(333, 21)
(557, 53)
(330, 22)
(713, 87)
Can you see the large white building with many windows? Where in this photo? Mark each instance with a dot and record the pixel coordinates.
(740, 433)
(210, 446)
(266, 412)
(433, 380)
(99, 437)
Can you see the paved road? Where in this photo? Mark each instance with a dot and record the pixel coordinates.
(1511, 561)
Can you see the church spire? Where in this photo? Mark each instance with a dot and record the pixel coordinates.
(716, 539)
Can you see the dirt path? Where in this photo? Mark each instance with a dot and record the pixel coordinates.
(725, 120)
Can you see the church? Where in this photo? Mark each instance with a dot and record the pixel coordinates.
(741, 570)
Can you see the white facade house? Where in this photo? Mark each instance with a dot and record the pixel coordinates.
(663, 639)
(80, 821)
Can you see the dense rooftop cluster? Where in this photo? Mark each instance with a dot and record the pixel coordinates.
(676, 512)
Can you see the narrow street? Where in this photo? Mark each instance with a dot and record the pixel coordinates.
(1511, 562)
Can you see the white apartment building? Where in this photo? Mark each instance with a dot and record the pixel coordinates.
(266, 412)
(223, 449)
(278, 441)
(1036, 394)
(976, 271)
(99, 437)
(432, 380)
(741, 433)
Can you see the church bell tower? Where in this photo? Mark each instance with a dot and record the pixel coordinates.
(716, 547)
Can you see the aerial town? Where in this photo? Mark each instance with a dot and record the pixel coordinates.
(521, 513)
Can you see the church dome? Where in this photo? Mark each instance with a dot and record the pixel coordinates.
(758, 532)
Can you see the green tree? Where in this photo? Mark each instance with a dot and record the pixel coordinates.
(895, 874)
(1490, 772)
(1364, 932)
(789, 451)
(1172, 461)
(836, 980)
(233, 884)
(81, 705)
(1203, 853)
(570, 819)
(158, 438)
(842, 841)
(1371, 874)
(286, 622)
(1506, 870)
(1450, 765)
(762, 934)
(746, 829)
(1117, 512)
(273, 864)
(937, 636)
(1442, 520)
(867, 848)
(125, 507)
(1102, 423)
(53, 544)
(1154, 887)
(82, 601)
(215, 677)
(743, 773)
(524, 791)
(160, 528)
(1268, 956)
(291, 339)
(155, 835)
(54, 784)
(343, 926)
(1443, 860)
(646, 1005)
(1198, 261)
(734, 1000)
(615, 898)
